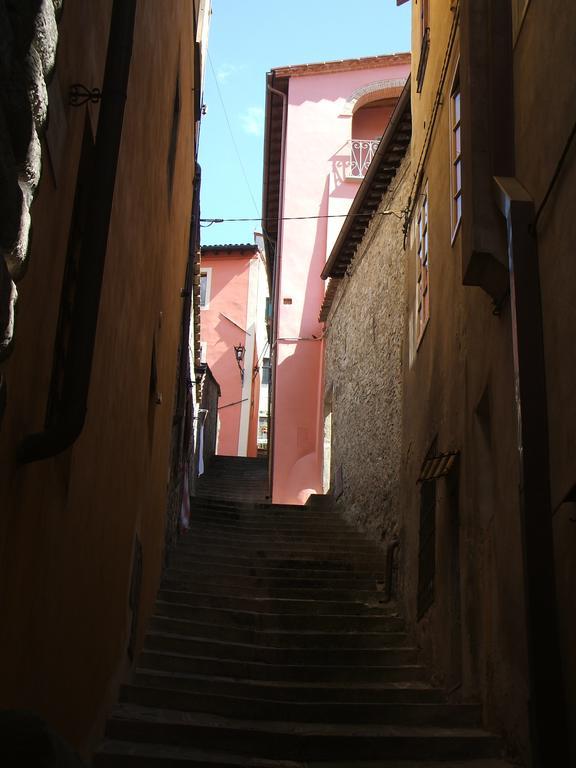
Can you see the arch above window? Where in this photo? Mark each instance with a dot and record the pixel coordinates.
(378, 89)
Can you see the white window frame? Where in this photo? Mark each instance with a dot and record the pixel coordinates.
(455, 154)
(208, 272)
(422, 241)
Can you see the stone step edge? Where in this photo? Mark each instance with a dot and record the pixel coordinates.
(157, 715)
(189, 755)
(272, 665)
(186, 754)
(283, 581)
(193, 594)
(331, 705)
(285, 634)
(295, 684)
(272, 648)
(279, 601)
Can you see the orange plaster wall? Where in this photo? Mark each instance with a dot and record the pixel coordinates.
(67, 524)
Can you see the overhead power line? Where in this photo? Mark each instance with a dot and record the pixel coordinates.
(398, 214)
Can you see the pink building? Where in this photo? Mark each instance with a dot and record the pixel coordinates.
(323, 124)
(233, 289)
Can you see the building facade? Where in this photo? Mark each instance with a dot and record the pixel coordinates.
(475, 390)
(323, 124)
(90, 361)
(234, 288)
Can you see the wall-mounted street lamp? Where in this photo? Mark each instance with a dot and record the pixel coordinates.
(239, 351)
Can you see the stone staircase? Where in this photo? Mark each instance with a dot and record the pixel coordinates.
(271, 647)
(235, 478)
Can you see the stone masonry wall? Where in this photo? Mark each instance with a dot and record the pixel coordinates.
(363, 383)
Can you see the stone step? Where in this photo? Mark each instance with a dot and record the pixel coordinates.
(274, 533)
(408, 692)
(349, 565)
(347, 574)
(289, 580)
(255, 507)
(182, 581)
(373, 605)
(310, 640)
(208, 522)
(297, 741)
(202, 611)
(265, 518)
(268, 549)
(451, 715)
(344, 542)
(286, 559)
(311, 673)
(222, 649)
(119, 754)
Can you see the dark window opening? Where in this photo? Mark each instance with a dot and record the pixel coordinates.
(424, 44)
(74, 283)
(173, 137)
(266, 371)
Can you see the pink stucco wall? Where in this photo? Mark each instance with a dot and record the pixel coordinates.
(319, 126)
(223, 325)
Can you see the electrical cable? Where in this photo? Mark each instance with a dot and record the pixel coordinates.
(398, 214)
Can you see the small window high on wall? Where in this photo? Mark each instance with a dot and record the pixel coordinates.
(424, 14)
(422, 277)
(205, 286)
(455, 155)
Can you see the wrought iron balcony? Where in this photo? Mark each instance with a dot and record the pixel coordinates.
(361, 154)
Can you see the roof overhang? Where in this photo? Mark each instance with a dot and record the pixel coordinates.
(230, 249)
(272, 182)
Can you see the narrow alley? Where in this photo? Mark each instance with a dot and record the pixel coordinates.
(287, 402)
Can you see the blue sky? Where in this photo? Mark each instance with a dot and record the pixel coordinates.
(247, 39)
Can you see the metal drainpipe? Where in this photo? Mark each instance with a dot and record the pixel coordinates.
(276, 287)
(59, 436)
(547, 708)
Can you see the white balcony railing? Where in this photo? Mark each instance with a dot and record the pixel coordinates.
(361, 154)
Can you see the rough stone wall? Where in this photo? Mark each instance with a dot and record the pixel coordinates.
(363, 373)
(28, 38)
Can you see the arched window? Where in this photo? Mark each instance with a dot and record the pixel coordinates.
(368, 124)
(370, 107)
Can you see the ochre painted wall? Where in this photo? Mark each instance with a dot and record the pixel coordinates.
(458, 391)
(68, 523)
